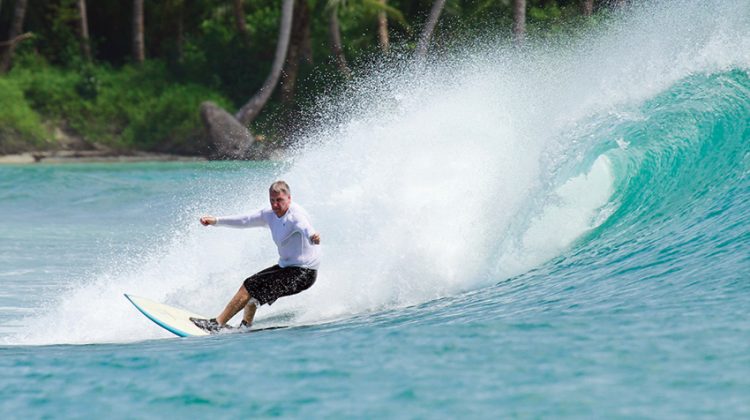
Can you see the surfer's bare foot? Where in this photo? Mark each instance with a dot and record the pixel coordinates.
(208, 325)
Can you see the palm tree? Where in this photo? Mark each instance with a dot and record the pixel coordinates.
(429, 28)
(83, 29)
(383, 11)
(252, 108)
(334, 35)
(383, 28)
(229, 135)
(519, 21)
(139, 47)
(239, 17)
(300, 47)
(14, 35)
(588, 7)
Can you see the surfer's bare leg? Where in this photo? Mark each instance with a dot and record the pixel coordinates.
(249, 314)
(239, 301)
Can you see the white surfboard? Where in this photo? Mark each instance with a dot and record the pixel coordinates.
(175, 320)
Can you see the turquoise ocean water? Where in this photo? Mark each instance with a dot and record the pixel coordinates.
(510, 234)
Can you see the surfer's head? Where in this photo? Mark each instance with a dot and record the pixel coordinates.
(280, 196)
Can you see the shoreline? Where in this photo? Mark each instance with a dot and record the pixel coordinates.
(93, 156)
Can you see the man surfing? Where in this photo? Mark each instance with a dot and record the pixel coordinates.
(297, 269)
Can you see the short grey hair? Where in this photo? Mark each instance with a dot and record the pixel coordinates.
(280, 187)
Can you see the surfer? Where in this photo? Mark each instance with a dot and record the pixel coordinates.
(297, 269)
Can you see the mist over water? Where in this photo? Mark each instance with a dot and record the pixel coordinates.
(427, 182)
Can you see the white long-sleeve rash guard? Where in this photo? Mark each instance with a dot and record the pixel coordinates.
(291, 233)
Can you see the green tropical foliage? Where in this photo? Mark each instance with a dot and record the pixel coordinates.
(195, 53)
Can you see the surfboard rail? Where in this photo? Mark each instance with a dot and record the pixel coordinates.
(175, 320)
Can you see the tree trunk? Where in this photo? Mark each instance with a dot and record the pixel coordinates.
(229, 135)
(429, 28)
(383, 29)
(588, 7)
(334, 33)
(16, 27)
(83, 29)
(16, 40)
(252, 108)
(297, 44)
(139, 48)
(519, 21)
(239, 18)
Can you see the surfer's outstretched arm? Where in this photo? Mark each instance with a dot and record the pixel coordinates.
(239, 221)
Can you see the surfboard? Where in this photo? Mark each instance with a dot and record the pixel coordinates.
(175, 320)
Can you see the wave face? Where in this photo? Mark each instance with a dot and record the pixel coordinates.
(681, 176)
(622, 155)
(492, 163)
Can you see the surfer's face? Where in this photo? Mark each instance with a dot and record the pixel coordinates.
(280, 203)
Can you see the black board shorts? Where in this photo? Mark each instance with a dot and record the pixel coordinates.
(274, 282)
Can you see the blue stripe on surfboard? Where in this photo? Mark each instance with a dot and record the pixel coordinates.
(169, 328)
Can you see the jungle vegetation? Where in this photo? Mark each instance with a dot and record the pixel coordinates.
(208, 77)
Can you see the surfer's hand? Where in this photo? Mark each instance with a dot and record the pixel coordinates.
(315, 239)
(208, 220)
